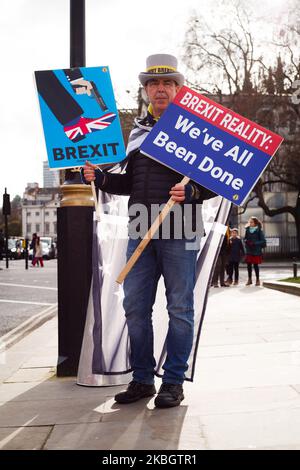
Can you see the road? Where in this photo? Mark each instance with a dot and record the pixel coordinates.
(24, 293)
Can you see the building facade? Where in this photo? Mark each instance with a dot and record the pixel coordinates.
(39, 208)
(50, 177)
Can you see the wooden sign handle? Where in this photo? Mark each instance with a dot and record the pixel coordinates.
(154, 227)
(95, 200)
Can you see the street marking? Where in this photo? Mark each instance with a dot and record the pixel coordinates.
(12, 435)
(26, 302)
(24, 285)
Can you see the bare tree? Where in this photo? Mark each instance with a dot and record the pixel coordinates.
(226, 56)
(231, 60)
(288, 43)
(127, 117)
(283, 173)
(284, 170)
(293, 210)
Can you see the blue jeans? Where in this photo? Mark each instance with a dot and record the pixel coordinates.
(177, 265)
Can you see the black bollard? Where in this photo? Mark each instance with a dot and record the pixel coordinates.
(6, 210)
(295, 269)
(74, 254)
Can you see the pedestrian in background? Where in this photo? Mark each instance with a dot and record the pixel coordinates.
(254, 242)
(236, 252)
(220, 268)
(32, 246)
(38, 253)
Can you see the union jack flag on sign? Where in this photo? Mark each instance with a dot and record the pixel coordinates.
(88, 125)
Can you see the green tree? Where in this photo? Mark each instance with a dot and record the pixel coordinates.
(14, 219)
(279, 76)
(268, 81)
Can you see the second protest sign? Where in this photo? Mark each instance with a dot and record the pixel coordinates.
(212, 145)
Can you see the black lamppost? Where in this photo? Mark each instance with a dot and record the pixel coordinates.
(74, 235)
(77, 57)
(6, 212)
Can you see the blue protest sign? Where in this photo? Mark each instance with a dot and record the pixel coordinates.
(212, 145)
(80, 117)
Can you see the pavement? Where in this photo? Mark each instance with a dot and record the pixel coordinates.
(246, 393)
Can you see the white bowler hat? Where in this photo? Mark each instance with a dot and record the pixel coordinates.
(161, 65)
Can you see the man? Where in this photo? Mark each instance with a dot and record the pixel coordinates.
(149, 183)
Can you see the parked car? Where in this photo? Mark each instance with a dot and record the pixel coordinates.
(49, 248)
(15, 249)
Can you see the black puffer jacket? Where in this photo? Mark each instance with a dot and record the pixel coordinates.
(148, 182)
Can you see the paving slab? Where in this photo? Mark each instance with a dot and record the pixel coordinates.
(139, 434)
(54, 389)
(24, 438)
(276, 428)
(241, 350)
(46, 360)
(252, 399)
(36, 374)
(44, 412)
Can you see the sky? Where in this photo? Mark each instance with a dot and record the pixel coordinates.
(34, 35)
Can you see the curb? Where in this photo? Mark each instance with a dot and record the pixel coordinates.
(29, 325)
(287, 287)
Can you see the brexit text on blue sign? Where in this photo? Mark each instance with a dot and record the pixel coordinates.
(79, 116)
(212, 145)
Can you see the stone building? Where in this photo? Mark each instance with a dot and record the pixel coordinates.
(39, 206)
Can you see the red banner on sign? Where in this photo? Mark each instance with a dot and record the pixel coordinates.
(228, 120)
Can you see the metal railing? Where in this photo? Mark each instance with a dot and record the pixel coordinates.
(281, 246)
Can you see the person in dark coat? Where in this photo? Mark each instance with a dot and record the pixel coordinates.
(236, 252)
(220, 268)
(254, 242)
(150, 183)
(33, 247)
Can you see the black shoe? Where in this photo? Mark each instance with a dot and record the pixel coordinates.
(135, 391)
(169, 395)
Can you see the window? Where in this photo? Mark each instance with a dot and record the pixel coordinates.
(46, 213)
(28, 229)
(28, 214)
(37, 227)
(37, 214)
(47, 227)
(55, 227)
